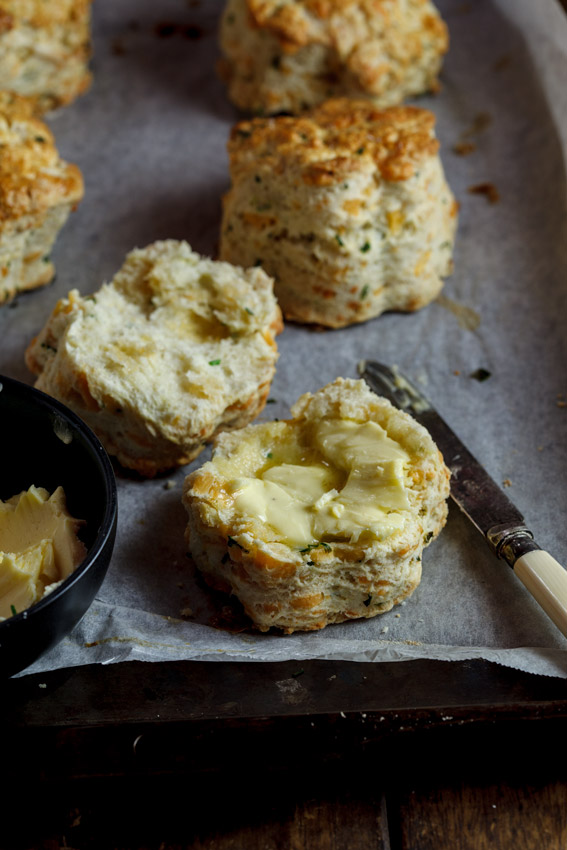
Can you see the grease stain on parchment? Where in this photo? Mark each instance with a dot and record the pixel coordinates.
(467, 318)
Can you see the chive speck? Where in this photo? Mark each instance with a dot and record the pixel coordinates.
(367, 601)
(364, 292)
(365, 247)
(339, 240)
(13, 609)
(214, 362)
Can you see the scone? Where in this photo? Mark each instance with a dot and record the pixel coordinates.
(38, 190)
(287, 57)
(321, 518)
(45, 49)
(175, 349)
(346, 207)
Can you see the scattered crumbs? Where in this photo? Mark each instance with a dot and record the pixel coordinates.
(464, 148)
(384, 630)
(334, 676)
(42, 685)
(506, 483)
(480, 375)
(489, 191)
(446, 717)
(186, 612)
(494, 805)
(397, 615)
(457, 372)
(169, 485)
(343, 714)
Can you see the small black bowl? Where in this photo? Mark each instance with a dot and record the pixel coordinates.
(45, 444)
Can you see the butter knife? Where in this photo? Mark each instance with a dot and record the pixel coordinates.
(479, 497)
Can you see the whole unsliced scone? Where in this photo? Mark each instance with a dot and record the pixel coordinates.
(38, 190)
(320, 518)
(346, 207)
(175, 349)
(44, 49)
(287, 57)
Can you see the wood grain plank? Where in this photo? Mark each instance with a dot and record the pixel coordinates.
(490, 817)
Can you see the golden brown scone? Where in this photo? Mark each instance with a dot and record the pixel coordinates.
(320, 518)
(38, 190)
(44, 49)
(175, 349)
(290, 56)
(346, 207)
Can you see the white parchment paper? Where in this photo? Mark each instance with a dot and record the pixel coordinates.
(150, 139)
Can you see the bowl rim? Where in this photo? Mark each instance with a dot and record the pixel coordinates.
(108, 523)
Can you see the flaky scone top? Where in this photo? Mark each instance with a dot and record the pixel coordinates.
(338, 138)
(33, 177)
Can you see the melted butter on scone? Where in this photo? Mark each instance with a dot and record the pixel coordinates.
(338, 481)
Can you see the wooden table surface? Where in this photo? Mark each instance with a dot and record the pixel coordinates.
(292, 756)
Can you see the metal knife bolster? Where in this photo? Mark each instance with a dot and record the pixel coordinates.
(474, 491)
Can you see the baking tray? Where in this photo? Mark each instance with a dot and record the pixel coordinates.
(150, 138)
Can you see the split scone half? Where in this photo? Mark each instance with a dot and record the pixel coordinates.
(45, 49)
(346, 207)
(287, 57)
(175, 349)
(321, 518)
(38, 190)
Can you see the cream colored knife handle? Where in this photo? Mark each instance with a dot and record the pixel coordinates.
(546, 580)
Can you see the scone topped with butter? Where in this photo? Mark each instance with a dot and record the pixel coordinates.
(289, 56)
(321, 518)
(347, 207)
(38, 190)
(175, 349)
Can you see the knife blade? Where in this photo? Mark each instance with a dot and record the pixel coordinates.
(478, 495)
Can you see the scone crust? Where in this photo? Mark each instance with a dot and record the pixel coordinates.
(287, 57)
(45, 49)
(347, 207)
(174, 350)
(37, 192)
(283, 587)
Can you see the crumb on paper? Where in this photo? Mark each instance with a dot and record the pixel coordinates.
(489, 191)
(384, 630)
(169, 485)
(397, 615)
(186, 612)
(457, 372)
(506, 483)
(501, 63)
(464, 148)
(42, 685)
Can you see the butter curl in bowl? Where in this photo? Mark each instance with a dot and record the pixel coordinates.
(57, 522)
(321, 518)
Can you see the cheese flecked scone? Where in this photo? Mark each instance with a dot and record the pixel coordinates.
(38, 190)
(346, 207)
(175, 349)
(45, 49)
(289, 56)
(321, 518)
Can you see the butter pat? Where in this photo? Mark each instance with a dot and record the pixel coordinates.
(350, 482)
(39, 547)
